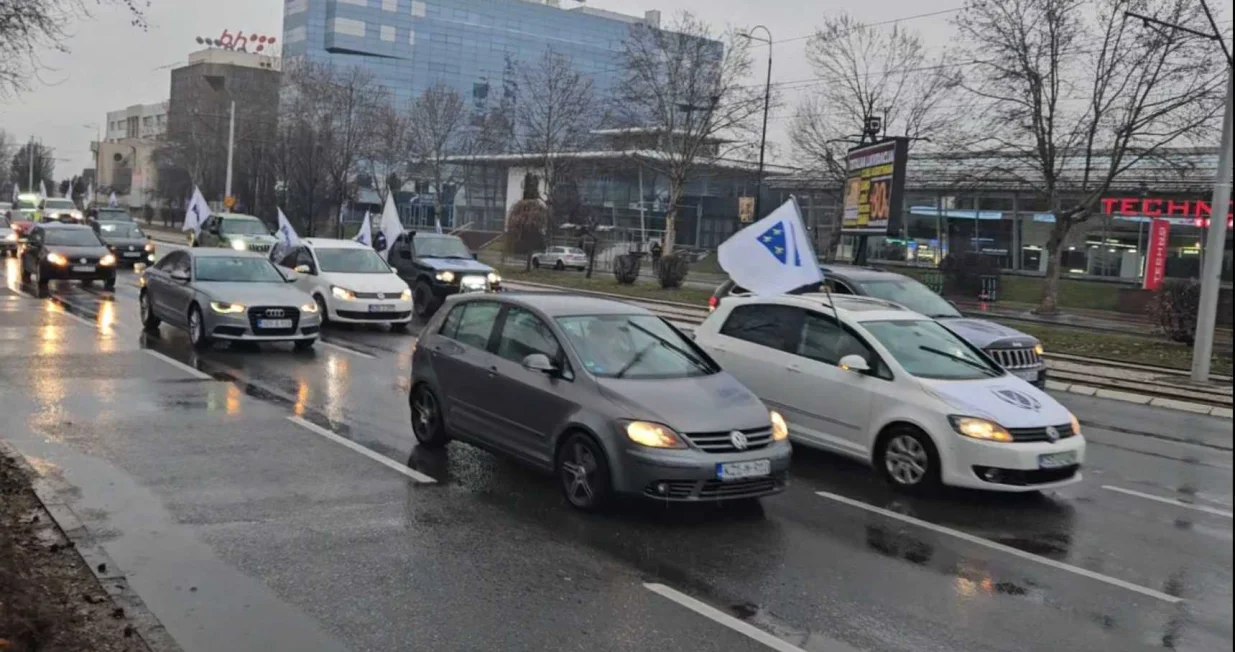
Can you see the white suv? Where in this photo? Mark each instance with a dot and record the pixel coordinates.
(867, 379)
(350, 282)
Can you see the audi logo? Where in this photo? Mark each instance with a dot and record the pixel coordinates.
(276, 312)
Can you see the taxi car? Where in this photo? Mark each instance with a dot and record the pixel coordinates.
(871, 380)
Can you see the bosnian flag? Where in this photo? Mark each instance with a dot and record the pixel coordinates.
(773, 255)
(197, 213)
(286, 234)
(365, 236)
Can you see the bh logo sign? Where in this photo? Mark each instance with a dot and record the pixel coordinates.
(240, 42)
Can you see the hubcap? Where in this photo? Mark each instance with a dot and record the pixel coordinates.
(145, 307)
(195, 327)
(906, 460)
(578, 474)
(424, 413)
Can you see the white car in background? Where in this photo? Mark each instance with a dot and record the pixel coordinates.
(897, 390)
(349, 281)
(560, 258)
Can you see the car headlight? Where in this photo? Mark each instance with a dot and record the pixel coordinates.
(494, 278)
(310, 307)
(342, 293)
(1076, 425)
(239, 245)
(406, 296)
(446, 277)
(980, 429)
(1038, 348)
(653, 435)
(108, 260)
(226, 308)
(12, 237)
(150, 247)
(57, 259)
(780, 428)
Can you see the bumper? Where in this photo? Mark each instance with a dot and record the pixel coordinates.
(1011, 467)
(237, 328)
(51, 272)
(691, 476)
(443, 290)
(142, 258)
(1035, 376)
(363, 311)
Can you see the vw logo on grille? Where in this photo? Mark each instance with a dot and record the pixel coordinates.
(275, 312)
(82, 260)
(381, 295)
(131, 247)
(1052, 433)
(738, 440)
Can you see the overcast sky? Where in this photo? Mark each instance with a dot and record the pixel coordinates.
(113, 65)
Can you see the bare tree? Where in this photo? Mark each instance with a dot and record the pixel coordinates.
(387, 157)
(301, 157)
(555, 112)
(7, 147)
(44, 166)
(31, 27)
(1079, 95)
(352, 100)
(691, 88)
(440, 130)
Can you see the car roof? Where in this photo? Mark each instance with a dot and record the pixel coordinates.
(334, 243)
(850, 307)
(65, 227)
(237, 216)
(564, 304)
(124, 222)
(219, 252)
(857, 273)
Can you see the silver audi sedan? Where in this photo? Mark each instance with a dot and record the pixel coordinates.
(605, 395)
(223, 294)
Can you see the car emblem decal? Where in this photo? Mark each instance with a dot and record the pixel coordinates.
(275, 312)
(1052, 433)
(1018, 399)
(381, 295)
(82, 260)
(131, 247)
(738, 440)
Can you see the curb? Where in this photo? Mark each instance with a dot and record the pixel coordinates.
(1141, 399)
(147, 628)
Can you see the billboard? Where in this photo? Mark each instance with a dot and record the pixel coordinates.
(1155, 260)
(874, 186)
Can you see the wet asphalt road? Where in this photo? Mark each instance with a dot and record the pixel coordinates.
(243, 529)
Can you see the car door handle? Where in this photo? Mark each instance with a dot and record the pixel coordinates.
(793, 368)
(493, 371)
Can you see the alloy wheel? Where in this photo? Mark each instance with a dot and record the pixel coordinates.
(195, 327)
(424, 414)
(906, 460)
(579, 474)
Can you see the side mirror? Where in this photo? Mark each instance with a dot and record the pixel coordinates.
(539, 362)
(180, 276)
(854, 362)
(405, 254)
(290, 275)
(302, 269)
(475, 256)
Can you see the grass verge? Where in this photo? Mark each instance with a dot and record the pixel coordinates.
(604, 282)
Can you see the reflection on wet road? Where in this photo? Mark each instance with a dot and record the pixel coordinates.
(185, 463)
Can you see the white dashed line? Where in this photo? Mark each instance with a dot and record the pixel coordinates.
(196, 373)
(1015, 552)
(718, 616)
(1170, 501)
(381, 459)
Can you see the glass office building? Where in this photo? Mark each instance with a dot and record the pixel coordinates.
(473, 46)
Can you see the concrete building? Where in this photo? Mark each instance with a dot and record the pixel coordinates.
(146, 121)
(124, 160)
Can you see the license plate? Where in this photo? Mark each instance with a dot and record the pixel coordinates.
(1027, 376)
(83, 268)
(132, 254)
(739, 470)
(468, 285)
(382, 308)
(1056, 460)
(274, 323)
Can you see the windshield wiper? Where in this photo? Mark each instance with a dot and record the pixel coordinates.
(675, 348)
(976, 365)
(635, 360)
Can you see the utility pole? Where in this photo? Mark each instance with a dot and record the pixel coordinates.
(30, 160)
(767, 101)
(231, 146)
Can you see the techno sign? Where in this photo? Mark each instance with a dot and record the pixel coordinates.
(240, 42)
(874, 185)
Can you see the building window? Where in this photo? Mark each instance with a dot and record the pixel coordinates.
(295, 35)
(359, 3)
(348, 27)
(390, 5)
(295, 7)
(418, 9)
(388, 33)
(411, 38)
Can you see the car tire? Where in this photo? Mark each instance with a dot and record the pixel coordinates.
(149, 321)
(428, 420)
(109, 283)
(582, 472)
(908, 460)
(423, 302)
(197, 329)
(322, 311)
(305, 345)
(40, 279)
(559, 266)
(535, 263)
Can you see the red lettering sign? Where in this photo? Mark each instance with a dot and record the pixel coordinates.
(1152, 207)
(240, 42)
(1155, 259)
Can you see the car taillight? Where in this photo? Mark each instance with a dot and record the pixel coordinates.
(712, 303)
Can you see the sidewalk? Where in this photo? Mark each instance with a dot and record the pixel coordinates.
(1074, 318)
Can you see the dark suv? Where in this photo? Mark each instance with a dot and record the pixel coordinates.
(437, 265)
(1017, 352)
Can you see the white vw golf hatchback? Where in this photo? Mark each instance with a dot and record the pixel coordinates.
(349, 282)
(868, 379)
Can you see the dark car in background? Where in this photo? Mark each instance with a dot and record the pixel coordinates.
(57, 251)
(1019, 353)
(436, 266)
(127, 241)
(109, 214)
(8, 237)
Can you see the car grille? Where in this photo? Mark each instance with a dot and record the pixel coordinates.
(372, 316)
(273, 312)
(1015, 358)
(378, 296)
(1039, 434)
(722, 442)
(713, 489)
(1019, 478)
(259, 248)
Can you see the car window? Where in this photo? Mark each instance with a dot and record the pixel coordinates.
(73, 238)
(762, 324)
(911, 294)
(166, 263)
(128, 230)
(182, 264)
(289, 259)
(925, 348)
(243, 227)
(524, 334)
(304, 257)
(351, 261)
(838, 287)
(475, 323)
(822, 339)
(237, 269)
(36, 237)
(440, 246)
(634, 347)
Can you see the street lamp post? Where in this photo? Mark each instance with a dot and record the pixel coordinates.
(767, 102)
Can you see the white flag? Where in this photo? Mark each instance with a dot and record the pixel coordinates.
(197, 213)
(113, 201)
(89, 198)
(43, 193)
(437, 224)
(16, 192)
(365, 236)
(773, 255)
(286, 234)
(391, 227)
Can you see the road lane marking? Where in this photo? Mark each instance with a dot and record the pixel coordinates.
(718, 616)
(381, 459)
(196, 373)
(1015, 552)
(1170, 501)
(331, 345)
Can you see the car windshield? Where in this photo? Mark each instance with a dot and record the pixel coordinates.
(59, 204)
(633, 346)
(237, 269)
(26, 205)
(4, 221)
(121, 230)
(351, 261)
(441, 246)
(574, 251)
(927, 349)
(911, 294)
(243, 227)
(71, 238)
(114, 215)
